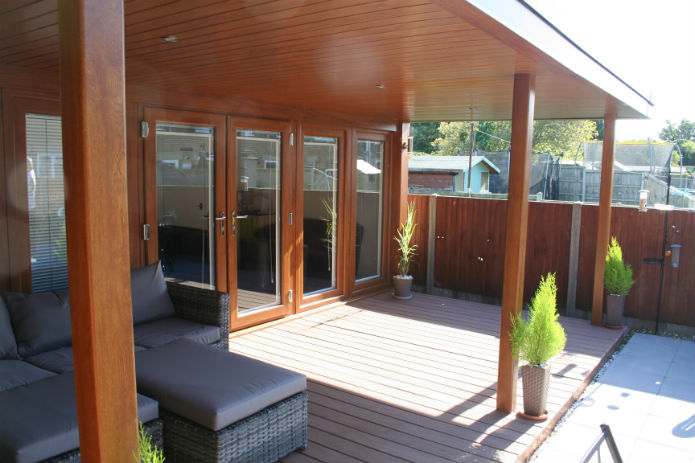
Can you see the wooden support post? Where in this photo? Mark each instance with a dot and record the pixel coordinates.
(93, 118)
(399, 189)
(603, 232)
(573, 271)
(431, 242)
(517, 229)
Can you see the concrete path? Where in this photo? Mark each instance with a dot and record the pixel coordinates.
(646, 394)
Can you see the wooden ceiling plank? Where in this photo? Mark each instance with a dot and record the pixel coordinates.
(25, 11)
(195, 20)
(7, 33)
(271, 24)
(283, 49)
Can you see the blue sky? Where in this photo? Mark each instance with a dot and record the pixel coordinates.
(650, 44)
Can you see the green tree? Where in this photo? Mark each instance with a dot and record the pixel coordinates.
(493, 135)
(424, 133)
(562, 137)
(599, 129)
(453, 138)
(558, 137)
(683, 135)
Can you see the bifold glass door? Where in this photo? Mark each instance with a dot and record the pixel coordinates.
(256, 220)
(186, 203)
(185, 196)
(320, 221)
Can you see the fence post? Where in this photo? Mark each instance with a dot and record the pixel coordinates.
(431, 239)
(574, 259)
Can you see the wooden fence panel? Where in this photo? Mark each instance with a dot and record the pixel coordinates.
(678, 300)
(470, 245)
(548, 247)
(640, 236)
(419, 266)
(469, 253)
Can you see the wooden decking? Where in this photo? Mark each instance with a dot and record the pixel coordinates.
(415, 381)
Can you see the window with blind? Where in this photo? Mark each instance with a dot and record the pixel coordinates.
(46, 203)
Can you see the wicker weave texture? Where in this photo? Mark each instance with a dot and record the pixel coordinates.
(202, 306)
(153, 428)
(263, 437)
(536, 381)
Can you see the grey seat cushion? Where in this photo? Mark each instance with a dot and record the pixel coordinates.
(41, 321)
(160, 332)
(59, 360)
(8, 345)
(39, 421)
(211, 387)
(15, 373)
(149, 294)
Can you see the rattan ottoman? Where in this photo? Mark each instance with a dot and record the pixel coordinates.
(219, 406)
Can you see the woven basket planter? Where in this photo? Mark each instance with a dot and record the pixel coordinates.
(615, 305)
(536, 381)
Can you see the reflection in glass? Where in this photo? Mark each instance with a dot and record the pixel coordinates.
(370, 180)
(185, 202)
(320, 213)
(257, 219)
(46, 203)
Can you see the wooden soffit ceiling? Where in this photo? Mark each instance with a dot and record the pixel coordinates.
(436, 60)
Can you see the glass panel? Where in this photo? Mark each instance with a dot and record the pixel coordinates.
(258, 219)
(46, 203)
(370, 180)
(185, 202)
(320, 213)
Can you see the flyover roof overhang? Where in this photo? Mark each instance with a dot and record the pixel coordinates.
(396, 60)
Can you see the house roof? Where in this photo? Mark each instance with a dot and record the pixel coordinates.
(447, 163)
(396, 60)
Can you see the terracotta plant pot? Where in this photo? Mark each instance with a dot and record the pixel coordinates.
(402, 286)
(615, 304)
(536, 381)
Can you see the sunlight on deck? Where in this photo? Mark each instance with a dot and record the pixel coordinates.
(414, 381)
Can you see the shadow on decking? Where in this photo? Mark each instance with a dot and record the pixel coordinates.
(414, 381)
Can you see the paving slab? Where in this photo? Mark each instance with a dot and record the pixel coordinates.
(646, 394)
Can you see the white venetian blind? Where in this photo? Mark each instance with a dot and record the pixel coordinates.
(46, 201)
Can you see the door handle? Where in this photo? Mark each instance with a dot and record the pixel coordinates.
(234, 219)
(221, 219)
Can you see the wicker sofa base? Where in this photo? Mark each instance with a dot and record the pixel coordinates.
(153, 428)
(264, 437)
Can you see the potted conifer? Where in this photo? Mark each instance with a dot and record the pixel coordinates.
(535, 341)
(403, 281)
(617, 281)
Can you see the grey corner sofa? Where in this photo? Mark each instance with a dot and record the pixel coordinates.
(177, 329)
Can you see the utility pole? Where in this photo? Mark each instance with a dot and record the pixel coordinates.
(470, 157)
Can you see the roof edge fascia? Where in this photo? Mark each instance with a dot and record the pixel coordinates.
(524, 22)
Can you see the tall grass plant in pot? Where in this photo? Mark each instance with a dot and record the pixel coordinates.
(617, 281)
(535, 341)
(403, 281)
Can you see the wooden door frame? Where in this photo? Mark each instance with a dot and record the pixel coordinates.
(154, 115)
(369, 284)
(314, 300)
(287, 232)
(16, 105)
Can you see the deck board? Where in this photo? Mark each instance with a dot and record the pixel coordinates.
(414, 381)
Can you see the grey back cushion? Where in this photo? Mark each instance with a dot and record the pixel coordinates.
(151, 299)
(41, 321)
(8, 345)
